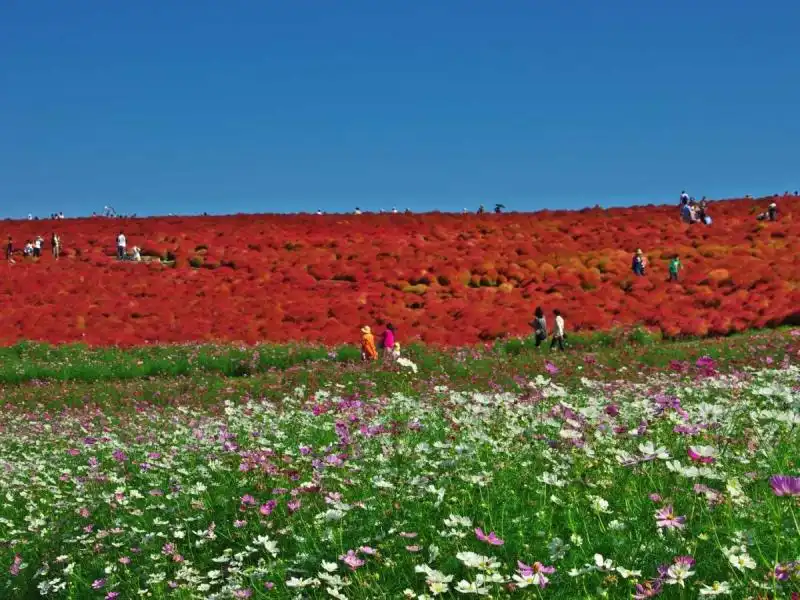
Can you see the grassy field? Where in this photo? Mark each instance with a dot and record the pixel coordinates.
(626, 467)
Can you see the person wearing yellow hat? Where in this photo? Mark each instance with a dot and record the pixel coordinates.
(639, 263)
(368, 350)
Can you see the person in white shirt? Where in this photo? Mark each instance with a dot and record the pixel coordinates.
(358, 211)
(684, 196)
(394, 210)
(121, 243)
(558, 332)
(137, 255)
(37, 246)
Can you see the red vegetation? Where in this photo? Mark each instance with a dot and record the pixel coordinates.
(442, 278)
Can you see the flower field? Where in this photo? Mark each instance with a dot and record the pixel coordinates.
(561, 477)
(443, 279)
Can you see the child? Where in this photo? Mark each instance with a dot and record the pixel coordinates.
(396, 351)
(674, 267)
(368, 351)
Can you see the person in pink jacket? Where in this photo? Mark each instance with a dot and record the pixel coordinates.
(387, 342)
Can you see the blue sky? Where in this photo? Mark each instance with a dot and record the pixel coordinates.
(182, 106)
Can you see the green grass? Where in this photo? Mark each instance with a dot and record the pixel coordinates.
(29, 361)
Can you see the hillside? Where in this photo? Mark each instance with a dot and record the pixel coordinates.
(442, 278)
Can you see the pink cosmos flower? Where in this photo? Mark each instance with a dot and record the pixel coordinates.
(248, 500)
(124, 560)
(537, 571)
(785, 485)
(267, 508)
(352, 560)
(414, 548)
(648, 589)
(14, 568)
(112, 595)
(665, 517)
(293, 505)
(702, 454)
(550, 368)
(242, 593)
(367, 550)
(491, 538)
(98, 584)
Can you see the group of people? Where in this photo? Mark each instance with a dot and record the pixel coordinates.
(33, 248)
(358, 211)
(771, 213)
(388, 344)
(639, 265)
(122, 249)
(53, 216)
(539, 325)
(693, 211)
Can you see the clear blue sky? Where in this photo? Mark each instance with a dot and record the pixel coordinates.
(185, 106)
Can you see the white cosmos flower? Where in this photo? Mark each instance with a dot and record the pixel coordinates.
(603, 564)
(716, 589)
(742, 561)
(296, 582)
(466, 587)
(330, 567)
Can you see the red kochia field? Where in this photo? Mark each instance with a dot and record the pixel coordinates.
(441, 278)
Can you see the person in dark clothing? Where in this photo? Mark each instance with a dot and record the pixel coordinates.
(772, 212)
(539, 325)
(9, 248)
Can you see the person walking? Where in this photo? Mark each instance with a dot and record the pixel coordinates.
(121, 244)
(388, 340)
(55, 245)
(674, 267)
(539, 325)
(639, 263)
(368, 350)
(558, 333)
(9, 249)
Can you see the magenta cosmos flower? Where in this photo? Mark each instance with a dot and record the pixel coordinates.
(785, 485)
(666, 518)
(491, 538)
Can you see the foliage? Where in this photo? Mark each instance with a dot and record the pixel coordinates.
(440, 278)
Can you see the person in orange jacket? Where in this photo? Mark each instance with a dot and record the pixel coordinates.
(368, 350)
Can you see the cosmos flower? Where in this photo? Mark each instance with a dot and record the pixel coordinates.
(491, 538)
(702, 454)
(715, 589)
(666, 518)
(785, 485)
(352, 560)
